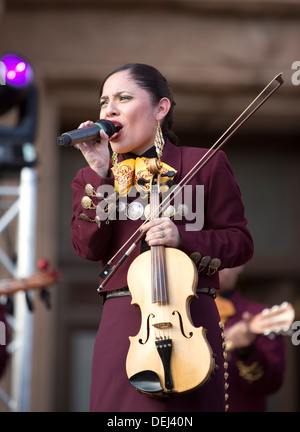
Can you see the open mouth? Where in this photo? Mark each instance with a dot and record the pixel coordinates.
(117, 133)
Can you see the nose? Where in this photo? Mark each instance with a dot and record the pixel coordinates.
(111, 109)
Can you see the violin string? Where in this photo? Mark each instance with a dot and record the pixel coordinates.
(154, 288)
(154, 282)
(163, 289)
(156, 264)
(178, 187)
(163, 279)
(158, 274)
(159, 309)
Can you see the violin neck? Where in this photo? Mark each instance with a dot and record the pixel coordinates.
(158, 274)
(158, 266)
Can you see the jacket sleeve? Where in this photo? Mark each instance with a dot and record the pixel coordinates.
(224, 234)
(89, 240)
(260, 372)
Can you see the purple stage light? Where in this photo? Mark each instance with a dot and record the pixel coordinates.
(18, 73)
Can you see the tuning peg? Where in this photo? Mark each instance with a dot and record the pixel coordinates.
(168, 174)
(170, 183)
(142, 182)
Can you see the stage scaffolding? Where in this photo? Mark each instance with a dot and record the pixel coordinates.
(24, 209)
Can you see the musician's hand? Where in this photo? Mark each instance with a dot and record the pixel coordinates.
(239, 334)
(95, 153)
(162, 231)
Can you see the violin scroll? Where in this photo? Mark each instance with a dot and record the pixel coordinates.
(155, 166)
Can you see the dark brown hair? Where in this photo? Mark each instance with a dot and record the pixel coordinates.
(150, 79)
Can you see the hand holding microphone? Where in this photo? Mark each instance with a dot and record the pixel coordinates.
(86, 138)
(89, 132)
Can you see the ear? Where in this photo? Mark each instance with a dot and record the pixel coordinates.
(163, 108)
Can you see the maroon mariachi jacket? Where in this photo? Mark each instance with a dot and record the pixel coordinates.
(224, 234)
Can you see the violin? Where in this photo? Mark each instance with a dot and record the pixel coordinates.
(168, 355)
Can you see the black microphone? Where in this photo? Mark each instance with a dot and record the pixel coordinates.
(88, 133)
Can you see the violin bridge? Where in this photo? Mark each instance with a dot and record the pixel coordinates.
(162, 326)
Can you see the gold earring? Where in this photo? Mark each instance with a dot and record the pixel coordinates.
(159, 141)
(114, 158)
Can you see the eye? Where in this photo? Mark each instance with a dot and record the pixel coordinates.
(125, 98)
(102, 103)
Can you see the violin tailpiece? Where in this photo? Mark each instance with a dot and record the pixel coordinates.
(164, 348)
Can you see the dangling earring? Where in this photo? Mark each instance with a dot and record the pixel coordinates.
(159, 141)
(114, 158)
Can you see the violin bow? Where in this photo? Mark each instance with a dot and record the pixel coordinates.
(107, 273)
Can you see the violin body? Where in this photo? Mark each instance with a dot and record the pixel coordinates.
(168, 355)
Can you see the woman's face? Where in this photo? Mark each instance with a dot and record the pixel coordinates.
(127, 105)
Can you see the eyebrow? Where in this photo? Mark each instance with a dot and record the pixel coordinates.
(116, 94)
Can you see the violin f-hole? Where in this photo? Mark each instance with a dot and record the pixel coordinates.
(181, 325)
(148, 329)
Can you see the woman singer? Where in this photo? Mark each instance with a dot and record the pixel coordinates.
(138, 100)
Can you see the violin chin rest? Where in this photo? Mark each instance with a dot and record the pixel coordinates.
(146, 381)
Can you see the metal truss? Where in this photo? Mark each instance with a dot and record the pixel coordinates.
(24, 209)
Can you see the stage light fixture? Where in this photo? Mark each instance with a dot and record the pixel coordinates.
(18, 72)
(17, 90)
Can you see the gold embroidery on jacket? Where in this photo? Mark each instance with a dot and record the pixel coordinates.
(250, 373)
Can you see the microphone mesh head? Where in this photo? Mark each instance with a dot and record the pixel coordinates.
(108, 127)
